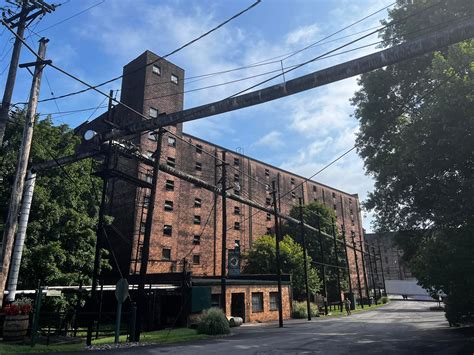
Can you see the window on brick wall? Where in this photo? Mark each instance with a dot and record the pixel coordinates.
(267, 188)
(146, 201)
(334, 207)
(166, 254)
(171, 161)
(167, 229)
(273, 301)
(350, 201)
(236, 210)
(153, 112)
(268, 201)
(237, 192)
(168, 205)
(197, 202)
(156, 70)
(196, 259)
(269, 231)
(333, 195)
(236, 178)
(169, 185)
(197, 219)
(149, 154)
(292, 181)
(237, 225)
(267, 172)
(293, 194)
(236, 161)
(198, 166)
(142, 227)
(197, 239)
(174, 79)
(198, 148)
(149, 177)
(269, 217)
(172, 142)
(314, 188)
(152, 136)
(257, 302)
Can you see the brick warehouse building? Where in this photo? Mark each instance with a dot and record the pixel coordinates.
(186, 226)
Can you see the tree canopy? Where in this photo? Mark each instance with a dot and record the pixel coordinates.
(260, 259)
(59, 247)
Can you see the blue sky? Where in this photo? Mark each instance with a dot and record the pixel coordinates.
(300, 133)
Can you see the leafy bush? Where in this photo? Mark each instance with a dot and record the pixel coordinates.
(213, 322)
(300, 310)
(384, 299)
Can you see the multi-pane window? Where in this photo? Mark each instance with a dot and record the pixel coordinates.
(257, 301)
(273, 301)
(237, 225)
(197, 219)
(168, 205)
(267, 187)
(269, 231)
(335, 207)
(172, 142)
(269, 217)
(198, 148)
(237, 192)
(198, 166)
(153, 112)
(197, 202)
(196, 259)
(268, 201)
(146, 201)
(169, 185)
(236, 161)
(350, 201)
(333, 195)
(167, 229)
(293, 194)
(174, 79)
(292, 181)
(142, 227)
(166, 254)
(149, 178)
(152, 136)
(197, 239)
(314, 188)
(267, 172)
(171, 161)
(237, 210)
(156, 70)
(236, 178)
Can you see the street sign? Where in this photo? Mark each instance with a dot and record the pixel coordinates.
(121, 290)
(53, 293)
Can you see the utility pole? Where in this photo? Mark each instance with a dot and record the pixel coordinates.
(224, 235)
(337, 264)
(17, 188)
(364, 269)
(356, 261)
(214, 218)
(20, 21)
(277, 254)
(347, 258)
(376, 270)
(323, 266)
(381, 269)
(371, 272)
(141, 306)
(305, 261)
(99, 234)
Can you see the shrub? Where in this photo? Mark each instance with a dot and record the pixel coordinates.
(384, 299)
(213, 322)
(300, 310)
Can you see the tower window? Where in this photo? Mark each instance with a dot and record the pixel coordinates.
(197, 202)
(169, 185)
(167, 229)
(156, 70)
(153, 112)
(168, 205)
(172, 142)
(174, 79)
(166, 254)
(171, 161)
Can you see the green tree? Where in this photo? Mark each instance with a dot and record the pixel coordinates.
(416, 139)
(59, 248)
(260, 259)
(311, 214)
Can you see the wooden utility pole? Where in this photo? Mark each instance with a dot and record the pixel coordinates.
(356, 262)
(337, 264)
(17, 188)
(20, 21)
(305, 262)
(323, 266)
(224, 235)
(277, 254)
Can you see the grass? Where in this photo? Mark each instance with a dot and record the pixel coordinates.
(159, 337)
(337, 313)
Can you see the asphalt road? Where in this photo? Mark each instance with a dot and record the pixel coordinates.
(401, 327)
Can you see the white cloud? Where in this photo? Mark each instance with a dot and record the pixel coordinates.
(272, 140)
(302, 35)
